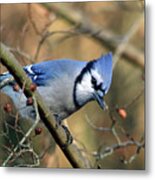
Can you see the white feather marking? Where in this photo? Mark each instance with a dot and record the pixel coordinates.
(5, 73)
(28, 68)
(85, 85)
(97, 76)
(84, 89)
(35, 77)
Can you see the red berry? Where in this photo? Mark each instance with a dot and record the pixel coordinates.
(122, 113)
(29, 101)
(16, 87)
(33, 87)
(38, 131)
(8, 107)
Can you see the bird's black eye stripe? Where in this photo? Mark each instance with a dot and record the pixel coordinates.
(94, 83)
(93, 80)
(97, 87)
(100, 86)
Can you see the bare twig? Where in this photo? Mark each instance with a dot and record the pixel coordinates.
(96, 127)
(21, 53)
(109, 150)
(22, 35)
(45, 36)
(140, 93)
(32, 21)
(25, 136)
(36, 160)
(104, 37)
(71, 152)
(123, 45)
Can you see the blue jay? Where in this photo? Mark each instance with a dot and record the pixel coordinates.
(65, 85)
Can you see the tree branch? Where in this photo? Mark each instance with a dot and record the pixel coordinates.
(25, 135)
(104, 37)
(71, 152)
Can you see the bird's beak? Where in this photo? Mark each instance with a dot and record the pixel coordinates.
(100, 101)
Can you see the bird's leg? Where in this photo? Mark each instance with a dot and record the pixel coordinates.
(69, 138)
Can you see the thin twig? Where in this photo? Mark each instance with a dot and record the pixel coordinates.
(31, 20)
(104, 37)
(25, 136)
(123, 45)
(96, 127)
(22, 53)
(109, 150)
(45, 36)
(135, 98)
(72, 152)
(36, 160)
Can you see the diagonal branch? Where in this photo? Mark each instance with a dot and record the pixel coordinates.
(104, 37)
(72, 153)
(123, 45)
(25, 136)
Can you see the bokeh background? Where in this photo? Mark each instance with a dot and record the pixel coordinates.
(76, 30)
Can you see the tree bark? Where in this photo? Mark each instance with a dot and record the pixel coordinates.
(72, 153)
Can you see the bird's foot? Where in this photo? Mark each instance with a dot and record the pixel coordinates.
(58, 124)
(68, 137)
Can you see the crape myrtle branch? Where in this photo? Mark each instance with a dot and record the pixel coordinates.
(45, 33)
(71, 152)
(122, 48)
(26, 135)
(104, 37)
(103, 151)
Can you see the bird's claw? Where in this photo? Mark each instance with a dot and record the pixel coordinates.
(68, 137)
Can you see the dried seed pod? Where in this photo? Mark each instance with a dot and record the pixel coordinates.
(29, 101)
(33, 87)
(8, 107)
(38, 130)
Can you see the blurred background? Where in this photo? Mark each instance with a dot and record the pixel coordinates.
(112, 139)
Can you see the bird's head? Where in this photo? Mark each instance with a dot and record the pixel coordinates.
(94, 81)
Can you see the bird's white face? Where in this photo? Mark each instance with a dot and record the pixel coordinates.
(90, 88)
(85, 86)
(97, 82)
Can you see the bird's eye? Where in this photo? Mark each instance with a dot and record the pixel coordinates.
(93, 80)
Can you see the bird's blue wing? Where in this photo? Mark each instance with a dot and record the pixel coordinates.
(46, 71)
(40, 73)
(37, 73)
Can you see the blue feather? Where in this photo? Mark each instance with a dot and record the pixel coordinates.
(104, 66)
(42, 72)
(66, 85)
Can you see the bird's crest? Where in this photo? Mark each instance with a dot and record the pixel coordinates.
(94, 80)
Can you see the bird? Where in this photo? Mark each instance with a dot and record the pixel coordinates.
(66, 85)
